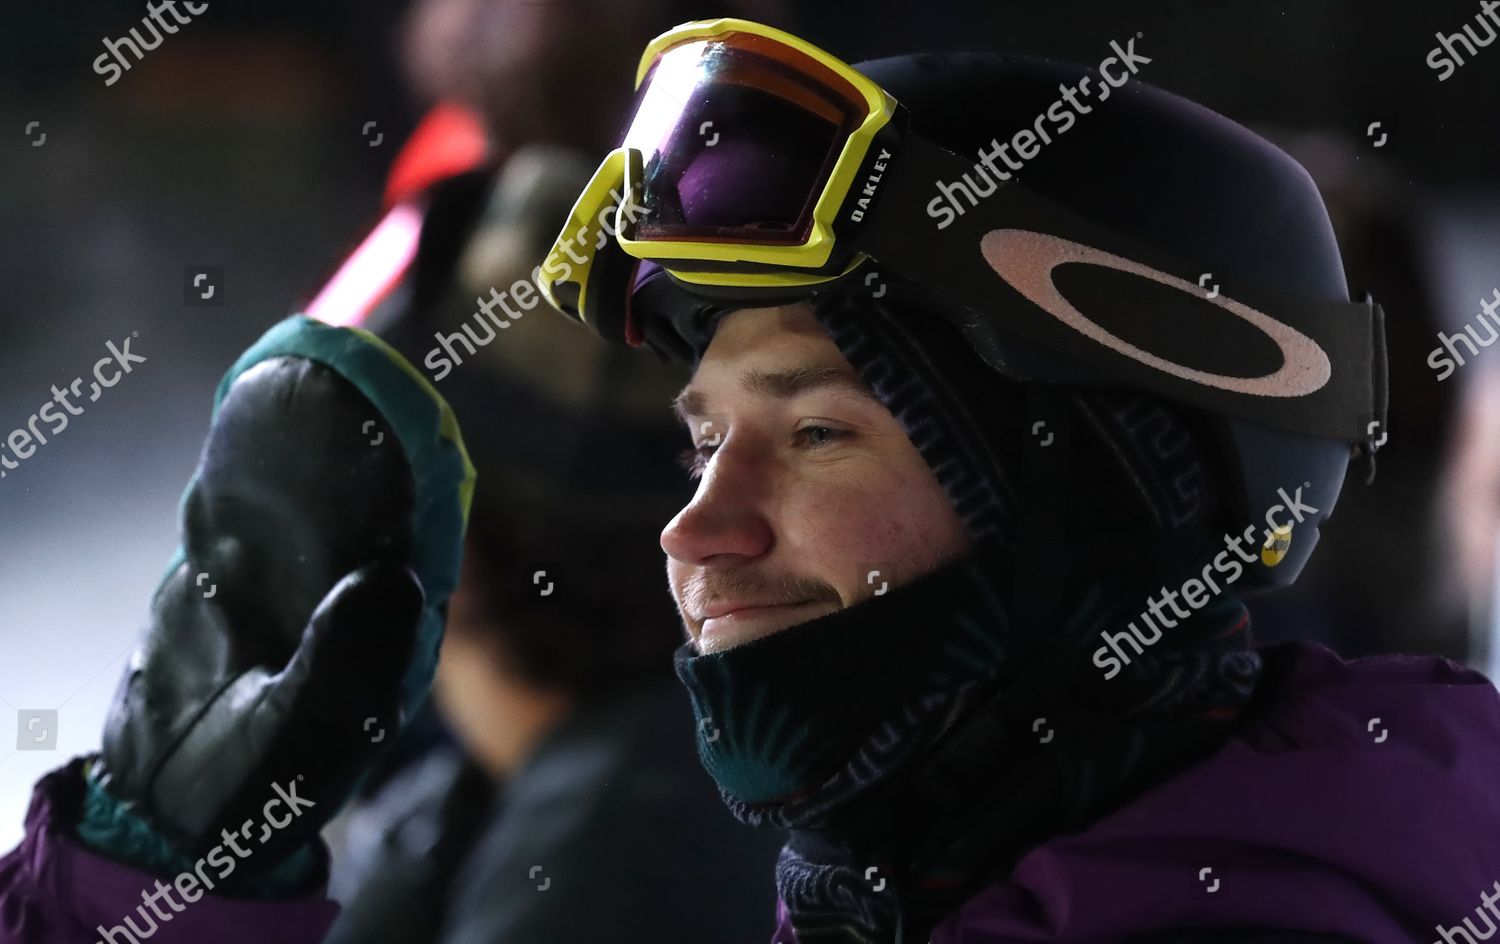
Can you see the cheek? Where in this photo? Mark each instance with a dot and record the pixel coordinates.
(881, 519)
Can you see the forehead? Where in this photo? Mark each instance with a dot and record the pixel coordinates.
(778, 335)
(769, 352)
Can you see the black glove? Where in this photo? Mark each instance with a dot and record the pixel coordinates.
(290, 636)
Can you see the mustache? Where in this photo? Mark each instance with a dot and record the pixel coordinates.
(706, 588)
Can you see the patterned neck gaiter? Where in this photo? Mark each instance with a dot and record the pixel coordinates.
(820, 729)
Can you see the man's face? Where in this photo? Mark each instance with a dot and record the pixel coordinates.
(806, 484)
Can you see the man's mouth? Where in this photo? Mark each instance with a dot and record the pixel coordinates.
(730, 623)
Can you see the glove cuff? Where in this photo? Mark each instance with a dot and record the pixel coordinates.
(105, 826)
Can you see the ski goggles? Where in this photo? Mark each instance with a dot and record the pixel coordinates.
(757, 169)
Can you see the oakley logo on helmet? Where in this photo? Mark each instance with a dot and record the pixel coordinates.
(1027, 259)
(871, 182)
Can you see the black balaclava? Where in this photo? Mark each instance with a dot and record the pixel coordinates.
(918, 743)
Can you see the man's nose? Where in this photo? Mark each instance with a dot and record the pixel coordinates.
(727, 515)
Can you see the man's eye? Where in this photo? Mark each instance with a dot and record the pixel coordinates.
(816, 436)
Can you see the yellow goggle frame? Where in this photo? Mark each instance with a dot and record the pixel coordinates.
(603, 212)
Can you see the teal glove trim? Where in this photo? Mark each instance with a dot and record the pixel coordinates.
(108, 828)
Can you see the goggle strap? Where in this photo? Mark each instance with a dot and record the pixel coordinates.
(902, 236)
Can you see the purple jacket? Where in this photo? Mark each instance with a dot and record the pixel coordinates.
(53, 891)
(1365, 799)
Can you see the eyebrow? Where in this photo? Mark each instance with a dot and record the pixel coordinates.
(778, 384)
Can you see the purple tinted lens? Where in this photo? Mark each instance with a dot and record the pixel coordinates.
(729, 157)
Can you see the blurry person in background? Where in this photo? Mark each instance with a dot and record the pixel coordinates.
(573, 799)
(1470, 496)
